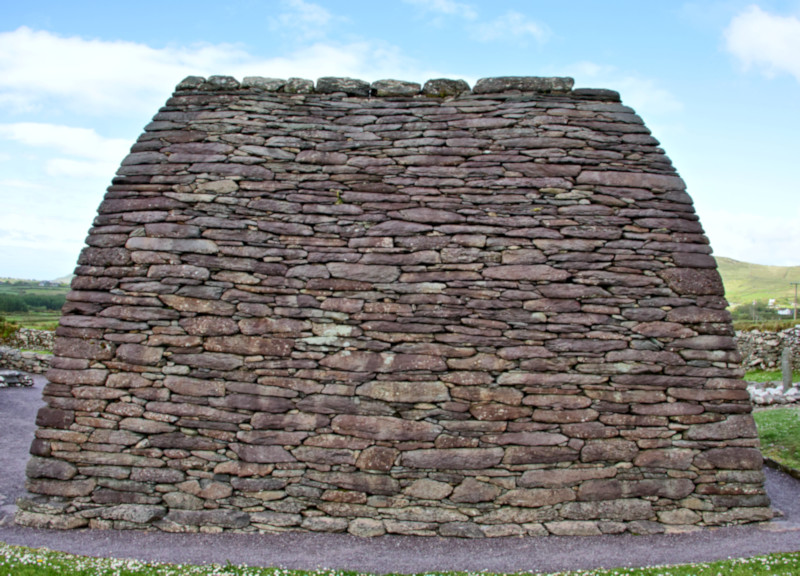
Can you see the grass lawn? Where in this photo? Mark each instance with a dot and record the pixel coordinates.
(769, 376)
(21, 561)
(779, 431)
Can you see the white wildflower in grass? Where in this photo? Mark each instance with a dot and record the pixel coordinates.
(21, 561)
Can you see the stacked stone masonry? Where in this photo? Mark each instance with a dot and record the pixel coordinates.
(25, 360)
(763, 350)
(396, 309)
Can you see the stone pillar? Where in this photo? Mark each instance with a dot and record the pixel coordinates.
(786, 368)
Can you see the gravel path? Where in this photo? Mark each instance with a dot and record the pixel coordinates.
(388, 553)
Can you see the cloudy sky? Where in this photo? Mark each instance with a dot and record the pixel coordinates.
(718, 83)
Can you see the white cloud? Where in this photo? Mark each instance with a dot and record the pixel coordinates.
(97, 76)
(643, 94)
(446, 7)
(105, 78)
(82, 142)
(303, 20)
(511, 26)
(93, 156)
(750, 237)
(766, 41)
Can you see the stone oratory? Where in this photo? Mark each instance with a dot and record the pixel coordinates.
(386, 308)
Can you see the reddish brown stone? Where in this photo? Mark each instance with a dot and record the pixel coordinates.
(262, 454)
(563, 477)
(385, 428)
(631, 179)
(411, 392)
(557, 401)
(79, 348)
(509, 396)
(529, 273)
(361, 482)
(612, 450)
(537, 497)
(290, 422)
(539, 455)
(209, 326)
(249, 345)
(141, 355)
(694, 281)
(501, 412)
(453, 459)
(364, 272)
(671, 458)
(729, 459)
(733, 427)
(383, 362)
(379, 458)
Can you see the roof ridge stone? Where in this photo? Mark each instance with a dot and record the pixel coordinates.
(438, 87)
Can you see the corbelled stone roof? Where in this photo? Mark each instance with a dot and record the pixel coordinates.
(392, 308)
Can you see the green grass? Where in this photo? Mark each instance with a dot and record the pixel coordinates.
(767, 326)
(34, 320)
(779, 432)
(769, 376)
(21, 561)
(36, 317)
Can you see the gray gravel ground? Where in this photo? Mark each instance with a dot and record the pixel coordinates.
(388, 553)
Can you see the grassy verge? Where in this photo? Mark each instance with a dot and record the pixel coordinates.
(769, 376)
(779, 431)
(21, 561)
(34, 320)
(767, 326)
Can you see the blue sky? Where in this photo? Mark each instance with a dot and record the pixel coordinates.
(718, 83)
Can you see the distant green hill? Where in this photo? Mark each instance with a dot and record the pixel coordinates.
(745, 282)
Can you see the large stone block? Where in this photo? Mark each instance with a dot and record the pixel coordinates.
(453, 459)
(385, 428)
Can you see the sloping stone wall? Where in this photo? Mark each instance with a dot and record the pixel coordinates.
(393, 308)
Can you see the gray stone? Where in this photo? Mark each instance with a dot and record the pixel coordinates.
(221, 517)
(349, 86)
(523, 84)
(50, 468)
(366, 528)
(261, 83)
(443, 87)
(136, 513)
(385, 88)
(429, 489)
(453, 459)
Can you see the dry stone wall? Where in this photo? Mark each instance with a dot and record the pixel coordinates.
(31, 339)
(396, 309)
(763, 350)
(27, 361)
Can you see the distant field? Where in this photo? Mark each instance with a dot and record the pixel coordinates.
(745, 282)
(31, 305)
(35, 320)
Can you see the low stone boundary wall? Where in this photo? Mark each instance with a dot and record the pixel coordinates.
(14, 379)
(15, 359)
(30, 339)
(762, 350)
